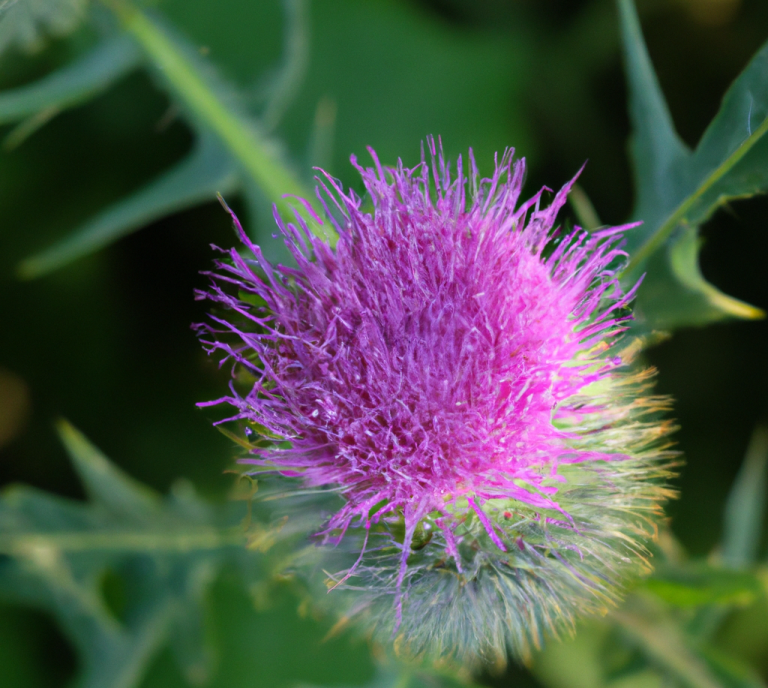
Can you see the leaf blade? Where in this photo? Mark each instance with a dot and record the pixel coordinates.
(73, 83)
(675, 294)
(745, 506)
(678, 189)
(657, 151)
(58, 550)
(206, 171)
(104, 482)
(661, 640)
(698, 584)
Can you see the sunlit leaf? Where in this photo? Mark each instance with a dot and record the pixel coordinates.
(660, 638)
(697, 584)
(678, 189)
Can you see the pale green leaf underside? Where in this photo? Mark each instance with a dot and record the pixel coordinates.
(678, 189)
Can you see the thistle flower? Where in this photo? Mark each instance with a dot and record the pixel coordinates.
(451, 370)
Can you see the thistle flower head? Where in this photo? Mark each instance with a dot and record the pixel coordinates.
(450, 369)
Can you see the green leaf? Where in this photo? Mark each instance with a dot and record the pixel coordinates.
(745, 507)
(678, 189)
(105, 484)
(206, 171)
(392, 675)
(729, 671)
(642, 644)
(166, 551)
(130, 572)
(272, 647)
(576, 662)
(730, 160)
(697, 584)
(660, 638)
(675, 294)
(231, 153)
(189, 641)
(73, 84)
(657, 151)
(24, 23)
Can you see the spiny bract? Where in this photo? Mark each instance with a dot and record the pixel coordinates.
(451, 370)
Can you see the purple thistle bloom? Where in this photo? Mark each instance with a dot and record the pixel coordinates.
(451, 370)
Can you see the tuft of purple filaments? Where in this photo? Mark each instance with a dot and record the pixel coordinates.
(435, 360)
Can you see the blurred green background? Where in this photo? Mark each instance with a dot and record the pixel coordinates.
(106, 341)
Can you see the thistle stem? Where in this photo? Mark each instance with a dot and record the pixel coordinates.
(255, 153)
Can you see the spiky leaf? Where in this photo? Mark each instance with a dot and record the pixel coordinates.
(164, 550)
(678, 189)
